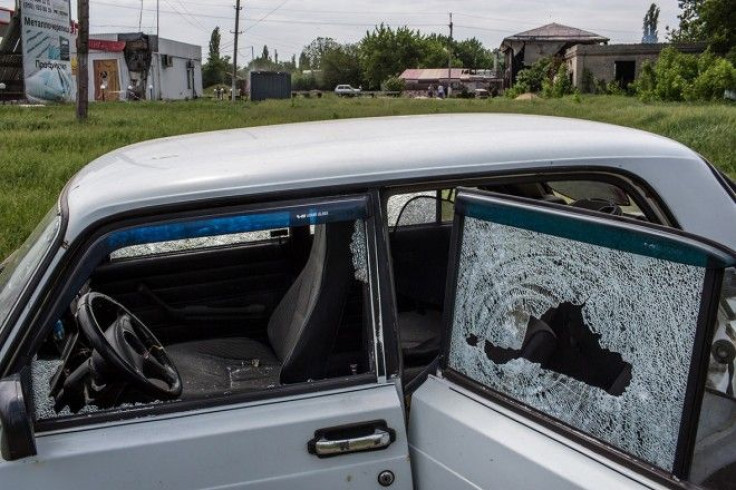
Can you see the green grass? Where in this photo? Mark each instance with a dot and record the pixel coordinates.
(42, 147)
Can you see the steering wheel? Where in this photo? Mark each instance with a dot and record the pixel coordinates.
(126, 344)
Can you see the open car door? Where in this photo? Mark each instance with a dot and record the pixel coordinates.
(576, 351)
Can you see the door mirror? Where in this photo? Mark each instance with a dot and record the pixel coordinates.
(16, 427)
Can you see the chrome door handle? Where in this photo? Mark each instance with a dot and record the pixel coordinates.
(354, 438)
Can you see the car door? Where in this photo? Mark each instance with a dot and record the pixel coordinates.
(576, 350)
(346, 431)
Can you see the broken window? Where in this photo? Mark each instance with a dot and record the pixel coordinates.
(600, 339)
(229, 319)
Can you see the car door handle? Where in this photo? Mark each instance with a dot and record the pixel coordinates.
(353, 438)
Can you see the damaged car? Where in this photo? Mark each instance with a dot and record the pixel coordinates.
(446, 301)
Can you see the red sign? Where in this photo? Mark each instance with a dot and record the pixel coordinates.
(110, 46)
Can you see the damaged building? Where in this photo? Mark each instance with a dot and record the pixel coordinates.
(589, 56)
(141, 66)
(38, 63)
(522, 50)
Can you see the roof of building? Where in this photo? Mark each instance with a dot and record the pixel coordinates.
(431, 74)
(278, 159)
(557, 32)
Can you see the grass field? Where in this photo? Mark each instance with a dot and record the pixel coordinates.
(42, 147)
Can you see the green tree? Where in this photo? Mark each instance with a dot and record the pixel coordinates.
(434, 51)
(304, 61)
(472, 54)
(341, 64)
(719, 23)
(311, 57)
(216, 69)
(385, 53)
(651, 21)
(691, 25)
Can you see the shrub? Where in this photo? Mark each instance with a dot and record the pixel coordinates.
(678, 76)
(394, 84)
(712, 82)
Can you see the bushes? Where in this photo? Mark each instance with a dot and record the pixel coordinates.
(678, 76)
(394, 84)
(548, 76)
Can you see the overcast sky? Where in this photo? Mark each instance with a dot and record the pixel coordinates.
(288, 25)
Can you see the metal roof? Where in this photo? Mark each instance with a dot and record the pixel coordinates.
(557, 32)
(269, 159)
(433, 73)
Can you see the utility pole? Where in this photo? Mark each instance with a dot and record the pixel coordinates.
(82, 51)
(158, 24)
(449, 60)
(237, 33)
(140, 18)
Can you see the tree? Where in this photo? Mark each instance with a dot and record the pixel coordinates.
(216, 69)
(651, 21)
(304, 61)
(691, 25)
(341, 64)
(472, 54)
(215, 45)
(265, 56)
(311, 57)
(719, 25)
(385, 52)
(434, 51)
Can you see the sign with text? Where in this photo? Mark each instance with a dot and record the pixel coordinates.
(47, 42)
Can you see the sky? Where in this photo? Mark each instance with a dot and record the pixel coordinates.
(288, 25)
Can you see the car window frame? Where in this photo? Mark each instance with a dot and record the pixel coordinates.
(697, 373)
(88, 252)
(642, 194)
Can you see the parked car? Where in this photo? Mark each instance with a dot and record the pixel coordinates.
(553, 298)
(347, 91)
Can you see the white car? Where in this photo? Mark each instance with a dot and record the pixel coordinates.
(434, 302)
(347, 91)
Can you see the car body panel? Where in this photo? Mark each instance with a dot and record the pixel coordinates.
(260, 446)
(460, 440)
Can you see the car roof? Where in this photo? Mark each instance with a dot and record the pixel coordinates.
(272, 159)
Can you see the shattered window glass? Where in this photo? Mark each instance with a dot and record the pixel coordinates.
(599, 339)
(197, 243)
(412, 209)
(359, 252)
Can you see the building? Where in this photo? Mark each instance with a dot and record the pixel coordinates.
(616, 62)
(141, 66)
(525, 48)
(420, 79)
(121, 65)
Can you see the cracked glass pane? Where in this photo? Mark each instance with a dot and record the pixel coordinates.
(359, 252)
(599, 339)
(412, 209)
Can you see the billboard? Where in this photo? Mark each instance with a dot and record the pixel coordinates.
(47, 43)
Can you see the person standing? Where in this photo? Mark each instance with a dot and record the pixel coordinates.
(441, 91)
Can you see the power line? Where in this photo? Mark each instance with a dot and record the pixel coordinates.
(267, 15)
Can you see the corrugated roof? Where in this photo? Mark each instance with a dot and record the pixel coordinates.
(431, 73)
(557, 32)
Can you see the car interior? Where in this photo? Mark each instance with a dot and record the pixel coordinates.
(204, 317)
(420, 226)
(276, 307)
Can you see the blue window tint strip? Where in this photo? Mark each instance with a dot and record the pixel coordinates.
(588, 229)
(348, 210)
